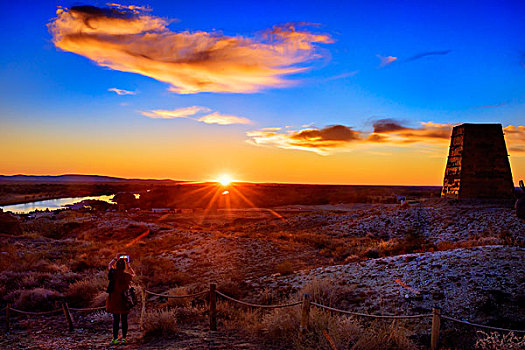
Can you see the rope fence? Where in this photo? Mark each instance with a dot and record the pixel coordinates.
(368, 315)
(35, 313)
(482, 326)
(177, 296)
(259, 305)
(305, 303)
(88, 309)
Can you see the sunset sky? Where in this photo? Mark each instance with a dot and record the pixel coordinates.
(347, 92)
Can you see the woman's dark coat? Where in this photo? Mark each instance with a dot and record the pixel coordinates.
(115, 303)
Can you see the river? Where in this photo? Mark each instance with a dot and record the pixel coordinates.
(51, 204)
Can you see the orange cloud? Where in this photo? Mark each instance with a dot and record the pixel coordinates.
(385, 61)
(223, 119)
(131, 40)
(176, 113)
(340, 137)
(515, 136)
(386, 131)
(190, 112)
(391, 130)
(321, 141)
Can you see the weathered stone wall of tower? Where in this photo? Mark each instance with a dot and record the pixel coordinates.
(451, 182)
(478, 164)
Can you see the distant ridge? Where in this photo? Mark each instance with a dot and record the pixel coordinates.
(75, 178)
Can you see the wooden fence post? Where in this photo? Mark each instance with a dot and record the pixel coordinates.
(69, 319)
(305, 313)
(213, 307)
(7, 314)
(143, 310)
(436, 322)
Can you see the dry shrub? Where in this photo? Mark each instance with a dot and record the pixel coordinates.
(154, 271)
(29, 281)
(496, 341)
(281, 326)
(44, 280)
(11, 280)
(188, 314)
(47, 266)
(26, 261)
(267, 296)
(82, 265)
(8, 256)
(344, 331)
(235, 317)
(81, 293)
(285, 268)
(12, 296)
(234, 286)
(469, 243)
(99, 299)
(44, 227)
(325, 291)
(52, 228)
(39, 299)
(385, 335)
(317, 240)
(178, 302)
(159, 323)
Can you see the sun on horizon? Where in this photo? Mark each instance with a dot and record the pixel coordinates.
(224, 180)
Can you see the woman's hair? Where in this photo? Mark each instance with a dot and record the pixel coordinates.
(121, 264)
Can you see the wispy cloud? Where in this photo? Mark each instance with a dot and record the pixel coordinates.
(520, 150)
(426, 54)
(223, 119)
(321, 141)
(342, 75)
(392, 131)
(386, 60)
(191, 112)
(340, 137)
(385, 131)
(129, 39)
(175, 113)
(492, 106)
(133, 8)
(122, 91)
(515, 136)
(517, 131)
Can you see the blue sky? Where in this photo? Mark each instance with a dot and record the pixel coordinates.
(455, 62)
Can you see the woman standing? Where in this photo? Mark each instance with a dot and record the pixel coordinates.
(120, 276)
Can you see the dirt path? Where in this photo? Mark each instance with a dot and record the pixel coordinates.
(50, 333)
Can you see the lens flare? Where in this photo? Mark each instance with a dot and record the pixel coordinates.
(224, 180)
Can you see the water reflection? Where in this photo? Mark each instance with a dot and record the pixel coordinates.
(51, 204)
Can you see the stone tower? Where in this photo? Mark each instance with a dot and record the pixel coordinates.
(478, 164)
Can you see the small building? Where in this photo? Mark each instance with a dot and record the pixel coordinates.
(161, 210)
(477, 164)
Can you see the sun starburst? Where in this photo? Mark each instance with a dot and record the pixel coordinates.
(224, 180)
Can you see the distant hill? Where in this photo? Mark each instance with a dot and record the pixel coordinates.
(74, 178)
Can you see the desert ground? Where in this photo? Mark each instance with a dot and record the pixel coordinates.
(464, 257)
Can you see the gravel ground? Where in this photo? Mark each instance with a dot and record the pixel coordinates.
(482, 284)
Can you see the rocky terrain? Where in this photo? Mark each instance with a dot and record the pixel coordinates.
(482, 284)
(375, 258)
